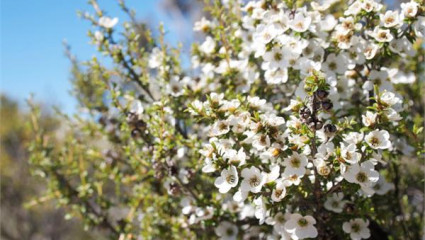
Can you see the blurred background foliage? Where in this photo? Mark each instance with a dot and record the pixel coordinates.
(22, 218)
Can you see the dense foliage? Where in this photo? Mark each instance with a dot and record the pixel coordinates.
(295, 120)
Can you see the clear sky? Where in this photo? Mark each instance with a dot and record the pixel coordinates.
(32, 58)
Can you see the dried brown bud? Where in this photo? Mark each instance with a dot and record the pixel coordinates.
(330, 128)
(327, 105)
(173, 170)
(136, 133)
(315, 124)
(321, 94)
(132, 118)
(174, 189)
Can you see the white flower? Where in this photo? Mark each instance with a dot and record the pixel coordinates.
(378, 139)
(357, 228)
(382, 35)
(353, 137)
(389, 98)
(419, 27)
(409, 9)
(253, 180)
(346, 25)
(136, 107)
(256, 102)
(369, 118)
(402, 77)
(349, 154)
(295, 164)
(265, 33)
(260, 210)
(187, 205)
(273, 174)
(392, 115)
(276, 76)
(370, 5)
(335, 64)
(235, 157)
(300, 23)
(279, 192)
(365, 175)
(229, 178)
(98, 35)
(203, 213)
(227, 231)
(278, 222)
(335, 203)
(208, 46)
(274, 59)
(322, 5)
(175, 88)
(156, 58)
(390, 19)
(261, 141)
(196, 107)
(229, 106)
(107, 22)
(301, 227)
(354, 8)
(220, 127)
(272, 120)
(370, 50)
(381, 187)
(202, 25)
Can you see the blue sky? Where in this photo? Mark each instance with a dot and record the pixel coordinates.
(32, 58)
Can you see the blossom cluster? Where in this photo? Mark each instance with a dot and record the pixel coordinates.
(263, 151)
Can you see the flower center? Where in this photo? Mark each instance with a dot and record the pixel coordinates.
(280, 219)
(263, 140)
(374, 141)
(277, 56)
(295, 162)
(307, 51)
(278, 193)
(222, 126)
(254, 181)
(299, 25)
(267, 36)
(390, 20)
(332, 65)
(377, 187)
(229, 232)
(382, 35)
(335, 204)
(293, 177)
(175, 89)
(348, 155)
(361, 177)
(355, 227)
(230, 179)
(275, 152)
(302, 222)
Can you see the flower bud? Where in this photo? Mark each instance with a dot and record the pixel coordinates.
(323, 170)
(174, 189)
(132, 118)
(173, 170)
(136, 133)
(330, 128)
(327, 105)
(321, 94)
(315, 124)
(141, 124)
